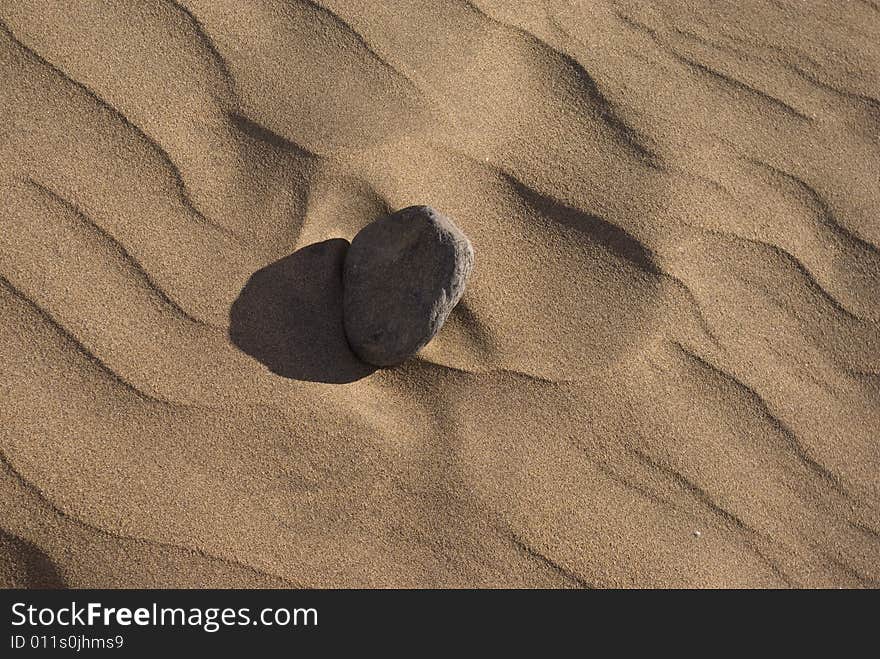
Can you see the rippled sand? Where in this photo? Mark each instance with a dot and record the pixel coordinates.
(665, 371)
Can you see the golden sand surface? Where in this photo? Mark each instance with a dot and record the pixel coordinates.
(665, 371)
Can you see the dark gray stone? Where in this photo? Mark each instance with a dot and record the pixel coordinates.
(403, 274)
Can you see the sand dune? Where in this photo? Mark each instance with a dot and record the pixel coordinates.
(665, 370)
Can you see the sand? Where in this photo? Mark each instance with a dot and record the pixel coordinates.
(665, 371)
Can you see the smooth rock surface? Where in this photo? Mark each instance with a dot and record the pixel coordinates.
(403, 274)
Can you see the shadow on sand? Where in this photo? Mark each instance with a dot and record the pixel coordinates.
(289, 317)
(30, 566)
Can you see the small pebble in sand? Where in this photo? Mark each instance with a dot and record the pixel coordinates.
(697, 534)
(403, 274)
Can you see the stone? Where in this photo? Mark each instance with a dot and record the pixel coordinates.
(402, 276)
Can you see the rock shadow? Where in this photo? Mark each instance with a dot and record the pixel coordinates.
(289, 317)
